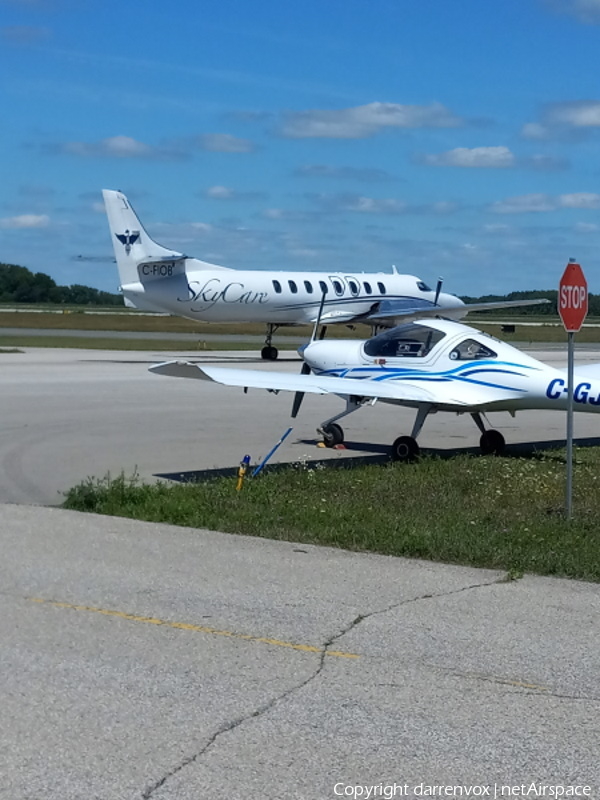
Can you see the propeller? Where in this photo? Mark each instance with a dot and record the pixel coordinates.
(305, 370)
(438, 289)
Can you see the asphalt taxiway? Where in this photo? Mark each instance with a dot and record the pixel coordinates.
(66, 415)
(147, 661)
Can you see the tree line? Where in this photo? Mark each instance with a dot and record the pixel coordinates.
(20, 285)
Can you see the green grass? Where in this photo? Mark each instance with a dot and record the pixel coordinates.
(501, 513)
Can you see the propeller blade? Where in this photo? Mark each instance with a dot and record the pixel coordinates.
(438, 289)
(299, 396)
(318, 320)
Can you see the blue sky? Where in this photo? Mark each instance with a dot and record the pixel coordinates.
(458, 139)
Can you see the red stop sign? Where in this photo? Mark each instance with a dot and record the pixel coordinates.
(572, 297)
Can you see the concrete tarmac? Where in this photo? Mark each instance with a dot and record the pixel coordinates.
(148, 661)
(66, 415)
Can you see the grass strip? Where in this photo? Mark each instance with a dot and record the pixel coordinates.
(500, 513)
(110, 343)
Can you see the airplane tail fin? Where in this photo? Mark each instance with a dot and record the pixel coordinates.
(131, 242)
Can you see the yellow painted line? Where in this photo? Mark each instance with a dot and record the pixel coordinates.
(187, 626)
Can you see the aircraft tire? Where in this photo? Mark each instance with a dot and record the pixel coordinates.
(269, 353)
(405, 449)
(492, 443)
(332, 434)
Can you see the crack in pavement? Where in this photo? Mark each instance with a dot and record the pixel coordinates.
(362, 617)
(234, 724)
(266, 707)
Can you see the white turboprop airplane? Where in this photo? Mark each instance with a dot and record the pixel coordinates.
(433, 365)
(158, 279)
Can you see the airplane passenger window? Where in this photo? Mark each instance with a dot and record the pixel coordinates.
(308, 287)
(367, 286)
(339, 289)
(323, 286)
(405, 341)
(277, 287)
(293, 287)
(381, 287)
(471, 350)
(353, 287)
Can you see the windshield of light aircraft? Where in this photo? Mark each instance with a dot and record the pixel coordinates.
(405, 341)
(471, 350)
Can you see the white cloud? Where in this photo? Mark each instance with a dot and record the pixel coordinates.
(361, 204)
(535, 130)
(499, 157)
(118, 147)
(25, 221)
(537, 203)
(219, 192)
(361, 122)
(579, 200)
(477, 157)
(577, 113)
(23, 34)
(587, 227)
(226, 193)
(564, 120)
(586, 11)
(224, 143)
(365, 174)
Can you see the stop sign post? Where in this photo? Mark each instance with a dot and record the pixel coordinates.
(572, 307)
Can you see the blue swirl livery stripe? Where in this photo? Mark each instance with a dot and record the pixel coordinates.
(462, 373)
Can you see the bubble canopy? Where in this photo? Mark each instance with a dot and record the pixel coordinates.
(405, 341)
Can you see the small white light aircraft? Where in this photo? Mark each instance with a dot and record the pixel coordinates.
(433, 365)
(158, 279)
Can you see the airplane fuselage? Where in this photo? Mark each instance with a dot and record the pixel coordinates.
(189, 288)
(518, 380)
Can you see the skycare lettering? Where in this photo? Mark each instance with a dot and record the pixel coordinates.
(206, 295)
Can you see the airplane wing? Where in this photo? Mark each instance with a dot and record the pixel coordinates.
(389, 310)
(451, 394)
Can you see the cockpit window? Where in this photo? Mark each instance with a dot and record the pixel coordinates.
(423, 286)
(471, 350)
(405, 341)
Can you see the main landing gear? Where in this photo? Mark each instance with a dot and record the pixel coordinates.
(491, 442)
(406, 448)
(269, 352)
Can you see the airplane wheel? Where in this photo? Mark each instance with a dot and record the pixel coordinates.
(492, 443)
(332, 434)
(269, 353)
(406, 449)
